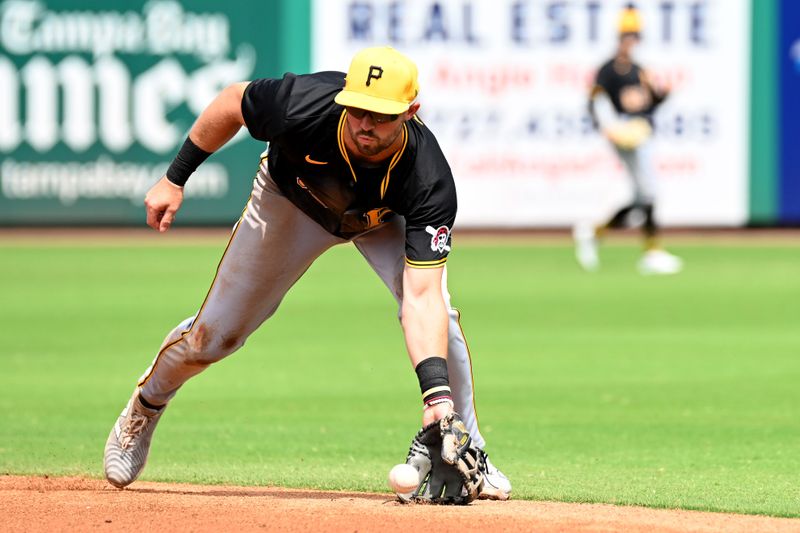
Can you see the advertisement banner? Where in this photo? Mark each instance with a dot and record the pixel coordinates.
(504, 86)
(96, 98)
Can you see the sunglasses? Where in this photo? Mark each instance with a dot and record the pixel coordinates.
(378, 118)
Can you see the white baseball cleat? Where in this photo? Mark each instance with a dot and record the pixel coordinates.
(496, 485)
(659, 262)
(129, 442)
(586, 247)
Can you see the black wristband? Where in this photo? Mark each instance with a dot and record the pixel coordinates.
(434, 382)
(189, 157)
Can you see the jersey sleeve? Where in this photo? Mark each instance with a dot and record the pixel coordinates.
(599, 98)
(430, 221)
(602, 82)
(264, 106)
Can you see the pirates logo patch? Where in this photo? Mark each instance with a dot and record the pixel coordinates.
(440, 237)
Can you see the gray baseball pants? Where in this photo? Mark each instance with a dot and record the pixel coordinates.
(639, 163)
(255, 273)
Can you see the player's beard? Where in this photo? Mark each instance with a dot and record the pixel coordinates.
(373, 148)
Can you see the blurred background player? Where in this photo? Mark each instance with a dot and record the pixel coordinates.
(622, 102)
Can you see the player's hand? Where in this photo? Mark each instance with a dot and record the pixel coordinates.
(447, 463)
(435, 412)
(161, 203)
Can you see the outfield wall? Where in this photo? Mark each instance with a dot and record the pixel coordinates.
(96, 97)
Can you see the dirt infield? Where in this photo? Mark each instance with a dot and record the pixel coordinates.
(33, 504)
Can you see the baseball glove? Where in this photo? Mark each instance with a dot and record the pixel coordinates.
(630, 134)
(448, 464)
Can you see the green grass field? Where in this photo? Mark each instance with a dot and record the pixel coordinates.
(666, 392)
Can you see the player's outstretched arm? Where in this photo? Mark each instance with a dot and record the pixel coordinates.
(215, 126)
(442, 452)
(424, 318)
(221, 120)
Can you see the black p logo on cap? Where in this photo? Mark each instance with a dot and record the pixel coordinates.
(375, 73)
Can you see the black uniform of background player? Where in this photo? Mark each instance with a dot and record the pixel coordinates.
(611, 81)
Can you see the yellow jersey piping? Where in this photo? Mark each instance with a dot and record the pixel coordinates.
(469, 358)
(395, 158)
(426, 264)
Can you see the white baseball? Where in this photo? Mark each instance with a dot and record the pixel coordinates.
(403, 478)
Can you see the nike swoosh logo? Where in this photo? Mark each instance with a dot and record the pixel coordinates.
(309, 160)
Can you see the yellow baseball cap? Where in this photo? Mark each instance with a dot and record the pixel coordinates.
(380, 79)
(630, 21)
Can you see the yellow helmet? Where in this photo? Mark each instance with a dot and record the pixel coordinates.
(380, 79)
(629, 20)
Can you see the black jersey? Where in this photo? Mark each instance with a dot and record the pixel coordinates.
(615, 82)
(307, 159)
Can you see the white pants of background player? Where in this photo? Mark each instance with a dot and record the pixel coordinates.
(272, 246)
(639, 163)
